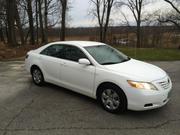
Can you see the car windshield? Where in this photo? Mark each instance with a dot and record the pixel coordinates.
(106, 55)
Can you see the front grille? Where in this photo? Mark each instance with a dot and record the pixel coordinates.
(165, 84)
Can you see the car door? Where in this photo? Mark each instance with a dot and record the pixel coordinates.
(51, 63)
(74, 75)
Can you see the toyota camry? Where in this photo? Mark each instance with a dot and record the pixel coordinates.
(99, 71)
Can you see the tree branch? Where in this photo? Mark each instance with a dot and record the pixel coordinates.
(171, 3)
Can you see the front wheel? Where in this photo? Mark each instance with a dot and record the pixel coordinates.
(37, 76)
(112, 99)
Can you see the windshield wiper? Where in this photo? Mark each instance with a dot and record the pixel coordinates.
(109, 63)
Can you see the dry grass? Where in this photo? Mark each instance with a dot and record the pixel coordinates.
(14, 52)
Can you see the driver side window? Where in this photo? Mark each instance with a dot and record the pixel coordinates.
(73, 53)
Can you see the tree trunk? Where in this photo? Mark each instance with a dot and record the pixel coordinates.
(6, 29)
(102, 12)
(63, 21)
(41, 23)
(18, 22)
(46, 20)
(104, 34)
(101, 34)
(10, 12)
(1, 34)
(37, 25)
(31, 23)
(105, 31)
(138, 34)
(138, 37)
(27, 35)
(107, 20)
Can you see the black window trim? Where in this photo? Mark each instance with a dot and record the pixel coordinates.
(66, 59)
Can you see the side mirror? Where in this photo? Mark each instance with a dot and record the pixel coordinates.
(84, 61)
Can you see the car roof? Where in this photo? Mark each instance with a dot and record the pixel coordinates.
(79, 43)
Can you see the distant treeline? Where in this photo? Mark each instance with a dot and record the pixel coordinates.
(91, 31)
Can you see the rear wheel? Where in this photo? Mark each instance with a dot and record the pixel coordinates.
(37, 76)
(112, 99)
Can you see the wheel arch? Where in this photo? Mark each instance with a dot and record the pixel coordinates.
(33, 67)
(103, 84)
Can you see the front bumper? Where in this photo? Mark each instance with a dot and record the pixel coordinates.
(140, 100)
(147, 102)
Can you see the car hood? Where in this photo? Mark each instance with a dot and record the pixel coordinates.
(138, 70)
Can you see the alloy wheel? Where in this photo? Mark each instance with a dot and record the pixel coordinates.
(37, 76)
(110, 99)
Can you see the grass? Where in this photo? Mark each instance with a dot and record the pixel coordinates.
(152, 54)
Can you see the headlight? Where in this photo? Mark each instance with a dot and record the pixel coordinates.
(142, 85)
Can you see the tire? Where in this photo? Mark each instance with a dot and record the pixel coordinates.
(112, 99)
(37, 76)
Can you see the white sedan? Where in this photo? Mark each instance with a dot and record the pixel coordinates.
(101, 72)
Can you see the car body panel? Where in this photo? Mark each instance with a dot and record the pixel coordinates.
(77, 76)
(141, 70)
(51, 68)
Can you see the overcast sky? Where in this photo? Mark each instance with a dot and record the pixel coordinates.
(80, 18)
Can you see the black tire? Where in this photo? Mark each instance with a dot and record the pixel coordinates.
(118, 96)
(37, 76)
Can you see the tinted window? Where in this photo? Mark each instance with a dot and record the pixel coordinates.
(64, 51)
(73, 53)
(54, 50)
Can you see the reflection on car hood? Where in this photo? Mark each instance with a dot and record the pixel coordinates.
(137, 69)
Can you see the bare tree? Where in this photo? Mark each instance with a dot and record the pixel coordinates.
(1, 33)
(17, 16)
(63, 19)
(135, 7)
(37, 24)
(2, 20)
(54, 13)
(174, 4)
(19, 25)
(41, 22)
(46, 20)
(45, 13)
(10, 12)
(13, 20)
(31, 21)
(153, 30)
(172, 17)
(102, 11)
(50, 9)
